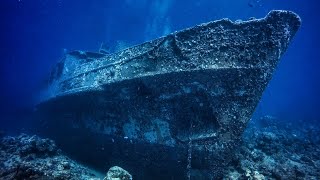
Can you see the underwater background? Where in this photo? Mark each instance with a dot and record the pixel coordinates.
(35, 34)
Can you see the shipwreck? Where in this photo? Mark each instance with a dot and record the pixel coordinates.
(174, 107)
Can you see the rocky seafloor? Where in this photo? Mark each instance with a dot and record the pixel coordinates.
(275, 149)
(270, 149)
(31, 157)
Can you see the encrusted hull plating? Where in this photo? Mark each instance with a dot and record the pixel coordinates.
(190, 93)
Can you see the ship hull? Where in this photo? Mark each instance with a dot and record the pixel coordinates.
(172, 106)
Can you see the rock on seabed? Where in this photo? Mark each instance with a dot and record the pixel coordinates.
(117, 173)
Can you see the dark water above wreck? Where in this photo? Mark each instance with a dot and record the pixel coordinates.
(36, 34)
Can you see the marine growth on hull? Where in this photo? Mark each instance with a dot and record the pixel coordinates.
(178, 104)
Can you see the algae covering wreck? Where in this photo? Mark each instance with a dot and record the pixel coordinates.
(174, 107)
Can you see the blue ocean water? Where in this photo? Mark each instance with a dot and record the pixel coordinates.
(35, 34)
